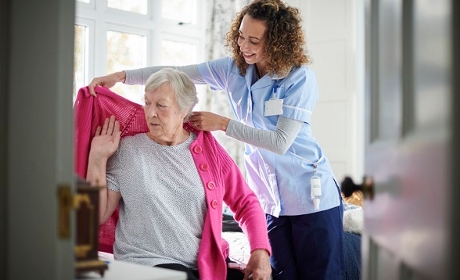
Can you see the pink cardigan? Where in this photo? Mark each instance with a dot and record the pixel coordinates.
(220, 175)
(91, 112)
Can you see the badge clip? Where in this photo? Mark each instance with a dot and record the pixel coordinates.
(273, 106)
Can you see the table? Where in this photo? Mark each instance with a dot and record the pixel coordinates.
(119, 270)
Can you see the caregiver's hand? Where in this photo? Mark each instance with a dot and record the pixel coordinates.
(209, 121)
(107, 81)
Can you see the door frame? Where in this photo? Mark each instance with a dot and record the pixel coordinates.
(442, 259)
(37, 136)
(454, 219)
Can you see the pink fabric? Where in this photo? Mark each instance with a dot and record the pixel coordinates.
(220, 176)
(223, 181)
(90, 112)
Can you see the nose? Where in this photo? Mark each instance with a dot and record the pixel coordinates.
(243, 44)
(150, 112)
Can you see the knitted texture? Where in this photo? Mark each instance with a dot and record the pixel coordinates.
(90, 112)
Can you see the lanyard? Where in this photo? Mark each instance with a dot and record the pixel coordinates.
(274, 92)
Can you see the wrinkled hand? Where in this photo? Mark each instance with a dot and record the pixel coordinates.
(209, 121)
(107, 81)
(107, 139)
(258, 267)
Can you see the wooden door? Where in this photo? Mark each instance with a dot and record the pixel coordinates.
(409, 127)
(38, 136)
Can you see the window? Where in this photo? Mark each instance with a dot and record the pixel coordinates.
(180, 11)
(135, 6)
(116, 35)
(80, 55)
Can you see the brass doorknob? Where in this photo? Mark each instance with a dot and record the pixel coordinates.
(348, 187)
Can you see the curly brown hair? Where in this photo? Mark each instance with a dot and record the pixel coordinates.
(284, 44)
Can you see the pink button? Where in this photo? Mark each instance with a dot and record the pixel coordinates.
(214, 204)
(204, 167)
(197, 149)
(211, 185)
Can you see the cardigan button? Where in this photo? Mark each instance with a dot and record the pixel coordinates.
(214, 204)
(204, 167)
(197, 149)
(211, 185)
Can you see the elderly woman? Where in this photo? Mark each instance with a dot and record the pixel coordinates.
(170, 183)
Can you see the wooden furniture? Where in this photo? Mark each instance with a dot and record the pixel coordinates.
(86, 203)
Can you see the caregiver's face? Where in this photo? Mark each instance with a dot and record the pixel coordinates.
(252, 40)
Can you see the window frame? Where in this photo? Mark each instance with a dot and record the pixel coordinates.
(99, 19)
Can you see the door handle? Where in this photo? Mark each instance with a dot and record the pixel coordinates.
(348, 187)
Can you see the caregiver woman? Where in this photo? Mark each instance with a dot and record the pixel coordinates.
(273, 93)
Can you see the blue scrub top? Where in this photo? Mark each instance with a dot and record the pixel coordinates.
(282, 182)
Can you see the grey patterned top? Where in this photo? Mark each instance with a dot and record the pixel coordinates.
(162, 206)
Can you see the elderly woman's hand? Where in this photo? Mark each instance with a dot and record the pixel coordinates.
(209, 121)
(258, 267)
(106, 140)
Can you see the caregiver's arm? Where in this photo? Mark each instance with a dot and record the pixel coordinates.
(277, 141)
(140, 76)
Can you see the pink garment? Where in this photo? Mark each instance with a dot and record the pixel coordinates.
(220, 175)
(90, 112)
(223, 181)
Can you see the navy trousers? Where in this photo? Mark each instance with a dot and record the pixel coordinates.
(307, 246)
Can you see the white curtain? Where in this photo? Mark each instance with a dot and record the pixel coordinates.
(220, 16)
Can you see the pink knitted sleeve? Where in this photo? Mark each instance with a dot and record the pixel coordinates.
(90, 112)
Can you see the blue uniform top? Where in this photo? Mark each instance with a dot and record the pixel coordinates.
(282, 182)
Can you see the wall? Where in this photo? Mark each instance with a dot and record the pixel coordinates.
(335, 43)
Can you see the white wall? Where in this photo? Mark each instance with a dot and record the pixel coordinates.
(335, 43)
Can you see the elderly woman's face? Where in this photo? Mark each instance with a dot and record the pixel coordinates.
(162, 113)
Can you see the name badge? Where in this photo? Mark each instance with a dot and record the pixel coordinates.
(273, 107)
